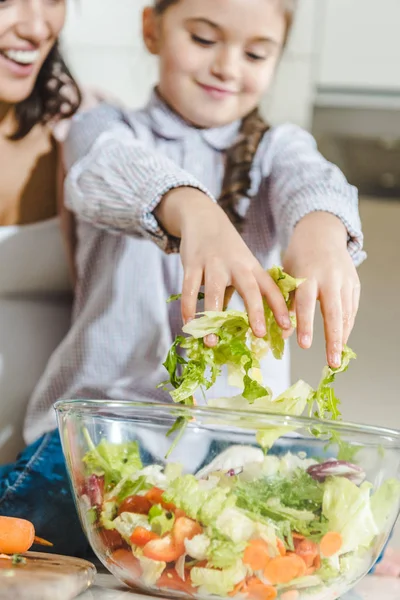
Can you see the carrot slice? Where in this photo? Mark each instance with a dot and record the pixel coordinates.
(331, 543)
(307, 550)
(257, 555)
(184, 529)
(163, 549)
(141, 536)
(283, 569)
(16, 535)
(281, 547)
(260, 591)
(239, 587)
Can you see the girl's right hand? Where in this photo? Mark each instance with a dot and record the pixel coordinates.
(214, 254)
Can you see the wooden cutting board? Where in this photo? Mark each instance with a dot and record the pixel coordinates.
(45, 577)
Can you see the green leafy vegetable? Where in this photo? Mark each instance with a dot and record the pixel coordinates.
(114, 461)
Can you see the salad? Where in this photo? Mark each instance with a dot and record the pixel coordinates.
(248, 524)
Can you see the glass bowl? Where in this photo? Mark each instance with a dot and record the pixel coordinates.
(220, 517)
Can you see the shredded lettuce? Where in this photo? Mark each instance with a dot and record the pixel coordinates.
(198, 502)
(161, 520)
(219, 582)
(222, 554)
(114, 461)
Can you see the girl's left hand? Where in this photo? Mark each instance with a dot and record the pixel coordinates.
(318, 252)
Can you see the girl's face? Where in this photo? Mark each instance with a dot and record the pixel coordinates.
(217, 57)
(28, 31)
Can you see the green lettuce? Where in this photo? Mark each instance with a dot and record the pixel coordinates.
(222, 554)
(218, 582)
(114, 461)
(161, 520)
(198, 503)
(385, 503)
(327, 404)
(348, 510)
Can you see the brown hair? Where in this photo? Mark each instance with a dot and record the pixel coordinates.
(240, 156)
(54, 96)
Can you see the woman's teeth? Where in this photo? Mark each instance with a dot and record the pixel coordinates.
(23, 57)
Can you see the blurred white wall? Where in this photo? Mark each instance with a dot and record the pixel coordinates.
(360, 44)
(105, 50)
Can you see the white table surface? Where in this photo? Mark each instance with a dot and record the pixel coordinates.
(106, 587)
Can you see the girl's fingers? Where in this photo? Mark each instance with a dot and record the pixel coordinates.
(348, 314)
(247, 286)
(190, 290)
(331, 307)
(215, 284)
(273, 296)
(304, 303)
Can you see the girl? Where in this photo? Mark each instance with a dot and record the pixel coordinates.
(142, 184)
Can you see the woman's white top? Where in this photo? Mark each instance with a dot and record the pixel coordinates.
(35, 306)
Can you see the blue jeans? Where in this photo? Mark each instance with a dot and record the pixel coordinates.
(36, 487)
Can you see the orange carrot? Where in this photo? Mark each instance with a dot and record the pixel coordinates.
(307, 550)
(284, 569)
(260, 591)
(291, 595)
(330, 543)
(41, 541)
(281, 547)
(239, 587)
(16, 535)
(257, 555)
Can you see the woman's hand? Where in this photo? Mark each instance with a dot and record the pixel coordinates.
(318, 252)
(214, 254)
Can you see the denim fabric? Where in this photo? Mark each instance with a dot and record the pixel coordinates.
(36, 487)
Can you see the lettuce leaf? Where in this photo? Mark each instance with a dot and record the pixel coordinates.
(114, 461)
(222, 554)
(385, 503)
(198, 502)
(218, 582)
(349, 512)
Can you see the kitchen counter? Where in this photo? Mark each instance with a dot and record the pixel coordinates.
(106, 587)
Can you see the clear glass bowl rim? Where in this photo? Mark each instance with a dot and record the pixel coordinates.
(264, 418)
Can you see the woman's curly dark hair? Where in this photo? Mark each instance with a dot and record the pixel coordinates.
(55, 96)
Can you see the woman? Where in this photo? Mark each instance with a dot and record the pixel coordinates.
(37, 95)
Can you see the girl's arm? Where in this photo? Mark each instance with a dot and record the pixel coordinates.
(120, 183)
(316, 215)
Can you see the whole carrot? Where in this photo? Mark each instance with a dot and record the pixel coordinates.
(16, 535)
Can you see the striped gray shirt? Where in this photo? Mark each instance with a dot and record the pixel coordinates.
(120, 165)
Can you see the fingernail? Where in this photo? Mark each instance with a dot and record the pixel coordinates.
(212, 339)
(336, 359)
(305, 340)
(285, 322)
(259, 329)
